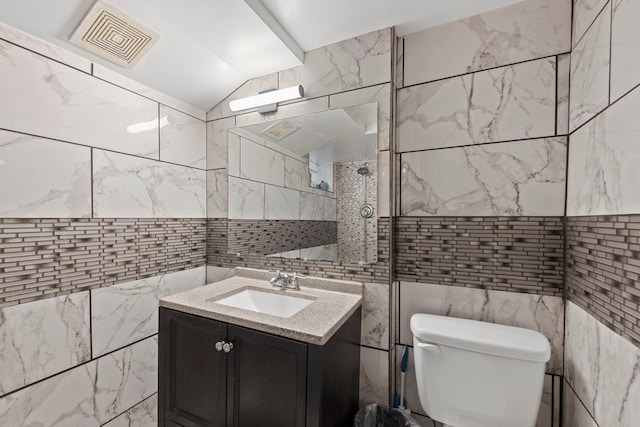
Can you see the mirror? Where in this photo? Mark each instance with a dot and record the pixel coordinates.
(305, 187)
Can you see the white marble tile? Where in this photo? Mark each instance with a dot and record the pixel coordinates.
(399, 62)
(132, 187)
(562, 112)
(246, 199)
(216, 274)
(375, 316)
(54, 177)
(625, 45)
(603, 159)
(217, 193)
(73, 106)
(527, 30)
(44, 48)
(233, 153)
(296, 174)
(381, 94)
(118, 79)
(144, 414)
(217, 147)
(88, 395)
(589, 85)
(304, 107)
(502, 104)
(602, 368)
(374, 376)
(349, 64)
(249, 88)
(584, 13)
(384, 183)
(41, 338)
(281, 203)
(128, 312)
(574, 412)
(544, 314)
(183, 140)
(329, 209)
(259, 163)
(512, 179)
(311, 206)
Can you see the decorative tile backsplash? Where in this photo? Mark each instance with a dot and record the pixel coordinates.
(217, 255)
(517, 254)
(267, 237)
(603, 270)
(42, 258)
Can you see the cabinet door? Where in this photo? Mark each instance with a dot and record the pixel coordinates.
(267, 380)
(192, 372)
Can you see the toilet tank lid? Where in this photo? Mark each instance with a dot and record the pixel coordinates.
(482, 337)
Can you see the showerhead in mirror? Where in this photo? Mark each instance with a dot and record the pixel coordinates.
(364, 170)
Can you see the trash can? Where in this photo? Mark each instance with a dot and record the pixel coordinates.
(375, 415)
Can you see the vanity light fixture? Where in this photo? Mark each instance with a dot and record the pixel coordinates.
(267, 100)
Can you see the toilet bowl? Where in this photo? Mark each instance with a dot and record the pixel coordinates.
(478, 374)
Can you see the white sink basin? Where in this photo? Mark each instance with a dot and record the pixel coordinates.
(266, 302)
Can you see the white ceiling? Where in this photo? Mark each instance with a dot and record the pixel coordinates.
(210, 47)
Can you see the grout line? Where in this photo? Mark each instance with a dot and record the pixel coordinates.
(100, 148)
(610, 49)
(484, 143)
(130, 408)
(582, 37)
(481, 71)
(2, 396)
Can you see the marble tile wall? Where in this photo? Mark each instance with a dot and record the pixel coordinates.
(128, 312)
(90, 394)
(590, 59)
(602, 336)
(76, 360)
(501, 104)
(601, 367)
(43, 338)
(528, 30)
(507, 179)
(79, 143)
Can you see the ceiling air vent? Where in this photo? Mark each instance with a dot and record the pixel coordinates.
(280, 130)
(111, 34)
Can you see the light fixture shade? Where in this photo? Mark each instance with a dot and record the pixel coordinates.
(267, 98)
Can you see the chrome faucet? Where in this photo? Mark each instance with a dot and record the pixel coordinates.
(286, 281)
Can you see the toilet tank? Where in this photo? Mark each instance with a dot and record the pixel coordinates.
(473, 374)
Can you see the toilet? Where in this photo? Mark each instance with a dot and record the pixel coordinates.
(478, 374)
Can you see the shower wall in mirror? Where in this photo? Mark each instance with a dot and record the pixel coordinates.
(305, 187)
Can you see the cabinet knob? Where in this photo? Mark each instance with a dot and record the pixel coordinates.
(224, 346)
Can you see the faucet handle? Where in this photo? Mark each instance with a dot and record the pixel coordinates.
(294, 280)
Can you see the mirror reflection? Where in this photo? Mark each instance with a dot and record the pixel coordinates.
(306, 187)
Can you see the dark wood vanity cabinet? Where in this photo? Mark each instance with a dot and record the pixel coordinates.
(264, 380)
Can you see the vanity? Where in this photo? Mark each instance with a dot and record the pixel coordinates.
(240, 352)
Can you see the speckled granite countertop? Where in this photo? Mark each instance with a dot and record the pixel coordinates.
(334, 301)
